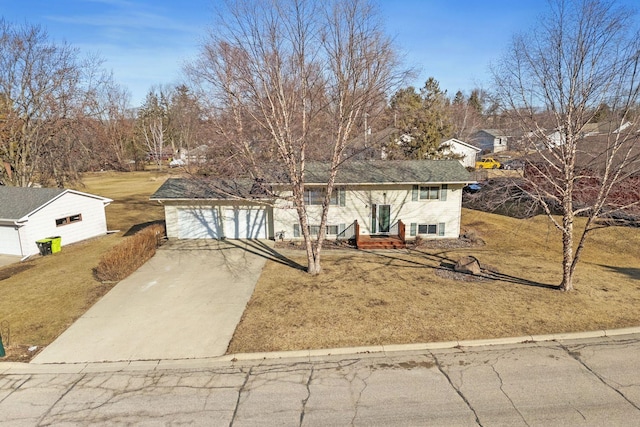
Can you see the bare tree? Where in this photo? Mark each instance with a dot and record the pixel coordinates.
(44, 88)
(582, 54)
(152, 126)
(286, 75)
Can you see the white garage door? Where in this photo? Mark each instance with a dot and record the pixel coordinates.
(237, 223)
(9, 241)
(245, 223)
(199, 223)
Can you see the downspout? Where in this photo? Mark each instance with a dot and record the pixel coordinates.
(24, 257)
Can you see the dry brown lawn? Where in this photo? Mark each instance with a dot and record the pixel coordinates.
(397, 297)
(41, 297)
(361, 298)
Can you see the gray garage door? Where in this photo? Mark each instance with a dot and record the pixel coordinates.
(236, 223)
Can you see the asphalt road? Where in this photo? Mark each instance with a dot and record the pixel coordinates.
(593, 382)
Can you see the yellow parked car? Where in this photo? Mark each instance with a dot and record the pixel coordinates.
(488, 163)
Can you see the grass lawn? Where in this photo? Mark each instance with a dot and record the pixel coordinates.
(397, 297)
(41, 297)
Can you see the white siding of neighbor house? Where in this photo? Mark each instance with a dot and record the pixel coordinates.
(490, 143)
(42, 223)
(224, 212)
(9, 240)
(358, 202)
(467, 153)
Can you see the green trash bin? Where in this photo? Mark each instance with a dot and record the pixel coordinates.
(44, 245)
(56, 244)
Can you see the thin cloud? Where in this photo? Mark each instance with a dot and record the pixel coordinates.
(125, 15)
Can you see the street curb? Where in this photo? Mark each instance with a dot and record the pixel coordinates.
(229, 360)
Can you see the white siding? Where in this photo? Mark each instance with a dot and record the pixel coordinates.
(9, 240)
(42, 223)
(467, 153)
(358, 204)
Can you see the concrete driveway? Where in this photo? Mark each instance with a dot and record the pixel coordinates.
(183, 303)
(8, 259)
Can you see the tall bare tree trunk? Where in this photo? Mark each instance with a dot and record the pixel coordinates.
(567, 253)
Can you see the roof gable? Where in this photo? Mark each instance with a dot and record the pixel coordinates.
(19, 202)
(464, 144)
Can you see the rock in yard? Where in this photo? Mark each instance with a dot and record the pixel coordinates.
(469, 265)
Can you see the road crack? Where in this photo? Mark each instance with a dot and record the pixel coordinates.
(457, 390)
(306, 399)
(59, 399)
(576, 357)
(240, 390)
(505, 393)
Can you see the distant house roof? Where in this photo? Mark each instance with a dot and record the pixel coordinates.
(364, 172)
(376, 138)
(494, 132)
(605, 127)
(457, 141)
(18, 202)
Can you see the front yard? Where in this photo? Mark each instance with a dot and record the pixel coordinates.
(361, 298)
(398, 297)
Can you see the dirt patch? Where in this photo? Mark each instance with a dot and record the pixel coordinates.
(19, 353)
(14, 269)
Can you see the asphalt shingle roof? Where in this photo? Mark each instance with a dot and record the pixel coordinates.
(390, 172)
(356, 172)
(16, 202)
(185, 188)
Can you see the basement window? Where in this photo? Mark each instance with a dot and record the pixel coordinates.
(68, 220)
(427, 229)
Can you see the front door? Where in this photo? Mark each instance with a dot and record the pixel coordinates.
(381, 218)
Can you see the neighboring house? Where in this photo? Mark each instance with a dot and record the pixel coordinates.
(373, 145)
(425, 194)
(31, 214)
(466, 153)
(193, 156)
(602, 128)
(490, 140)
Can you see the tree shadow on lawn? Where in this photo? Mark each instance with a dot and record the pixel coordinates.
(631, 272)
(137, 227)
(260, 248)
(448, 264)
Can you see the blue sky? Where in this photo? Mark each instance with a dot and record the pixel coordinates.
(145, 42)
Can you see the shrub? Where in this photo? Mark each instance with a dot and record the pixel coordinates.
(128, 255)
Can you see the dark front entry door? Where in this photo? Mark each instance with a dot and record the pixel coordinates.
(383, 218)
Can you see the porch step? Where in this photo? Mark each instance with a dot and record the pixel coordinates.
(380, 242)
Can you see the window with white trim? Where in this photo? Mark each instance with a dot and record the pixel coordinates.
(331, 230)
(427, 229)
(430, 193)
(68, 220)
(315, 196)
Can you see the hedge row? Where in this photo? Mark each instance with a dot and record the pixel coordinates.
(128, 255)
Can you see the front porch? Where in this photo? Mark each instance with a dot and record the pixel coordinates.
(393, 239)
